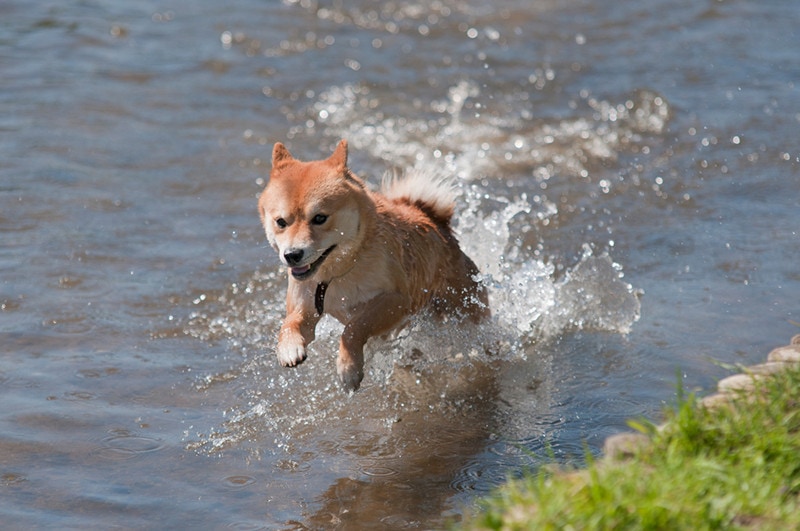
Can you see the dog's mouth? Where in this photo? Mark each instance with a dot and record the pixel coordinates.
(305, 271)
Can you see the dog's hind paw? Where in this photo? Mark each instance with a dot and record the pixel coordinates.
(291, 354)
(350, 376)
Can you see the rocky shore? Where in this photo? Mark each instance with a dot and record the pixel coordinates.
(624, 445)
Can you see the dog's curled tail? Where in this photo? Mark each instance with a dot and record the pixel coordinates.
(431, 192)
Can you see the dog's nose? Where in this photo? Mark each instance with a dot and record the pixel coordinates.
(293, 256)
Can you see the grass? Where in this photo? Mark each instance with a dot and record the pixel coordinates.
(732, 467)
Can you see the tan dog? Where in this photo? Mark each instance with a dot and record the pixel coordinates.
(370, 260)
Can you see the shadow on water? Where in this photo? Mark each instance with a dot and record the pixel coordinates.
(429, 445)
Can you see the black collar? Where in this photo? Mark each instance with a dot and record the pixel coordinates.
(319, 297)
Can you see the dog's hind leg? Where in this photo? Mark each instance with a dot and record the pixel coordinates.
(380, 315)
(464, 294)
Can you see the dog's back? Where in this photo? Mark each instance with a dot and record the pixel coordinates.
(417, 209)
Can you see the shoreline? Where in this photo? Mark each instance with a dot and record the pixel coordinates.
(624, 445)
(724, 461)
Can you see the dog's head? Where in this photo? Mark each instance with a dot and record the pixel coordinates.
(311, 211)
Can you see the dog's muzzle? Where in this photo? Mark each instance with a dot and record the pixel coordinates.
(302, 272)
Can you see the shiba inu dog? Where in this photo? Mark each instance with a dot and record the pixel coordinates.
(368, 259)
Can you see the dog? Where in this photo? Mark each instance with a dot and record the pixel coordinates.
(369, 259)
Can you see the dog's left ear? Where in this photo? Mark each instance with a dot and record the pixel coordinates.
(280, 155)
(339, 158)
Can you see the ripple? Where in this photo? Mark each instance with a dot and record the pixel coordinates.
(378, 471)
(468, 477)
(71, 325)
(239, 482)
(397, 521)
(247, 526)
(79, 395)
(124, 447)
(10, 478)
(97, 373)
(480, 477)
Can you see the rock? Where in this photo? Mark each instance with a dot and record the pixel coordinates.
(771, 367)
(716, 400)
(624, 445)
(789, 353)
(738, 383)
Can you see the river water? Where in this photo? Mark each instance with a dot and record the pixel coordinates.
(628, 181)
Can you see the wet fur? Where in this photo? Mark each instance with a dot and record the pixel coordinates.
(383, 256)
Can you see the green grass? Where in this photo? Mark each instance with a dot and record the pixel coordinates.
(735, 467)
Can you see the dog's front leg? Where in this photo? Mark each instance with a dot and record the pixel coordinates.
(298, 329)
(296, 333)
(380, 315)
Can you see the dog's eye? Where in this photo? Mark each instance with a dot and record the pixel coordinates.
(319, 219)
(281, 223)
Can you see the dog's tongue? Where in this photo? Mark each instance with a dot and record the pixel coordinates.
(300, 270)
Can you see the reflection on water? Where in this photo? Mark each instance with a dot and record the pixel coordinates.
(629, 203)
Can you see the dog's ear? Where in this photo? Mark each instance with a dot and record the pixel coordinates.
(339, 158)
(280, 155)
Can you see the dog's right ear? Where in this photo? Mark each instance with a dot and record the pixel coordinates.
(280, 155)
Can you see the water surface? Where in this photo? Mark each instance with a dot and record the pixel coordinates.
(628, 180)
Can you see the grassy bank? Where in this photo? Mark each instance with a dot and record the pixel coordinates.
(732, 466)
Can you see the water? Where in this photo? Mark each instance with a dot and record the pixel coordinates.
(628, 182)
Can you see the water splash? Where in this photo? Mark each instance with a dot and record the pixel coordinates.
(526, 296)
(463, 136)
(529, 303)
(431, 366)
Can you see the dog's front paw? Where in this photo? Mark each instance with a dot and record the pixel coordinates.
(350, 375)
(291, 353)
